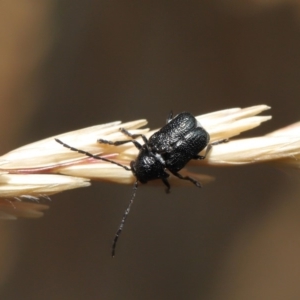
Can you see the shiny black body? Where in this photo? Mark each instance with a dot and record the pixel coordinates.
(170, 148)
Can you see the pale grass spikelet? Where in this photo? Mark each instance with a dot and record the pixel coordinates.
(16, 188)
(46, 167)
(12, 209)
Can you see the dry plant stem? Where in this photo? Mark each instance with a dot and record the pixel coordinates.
(46, 167)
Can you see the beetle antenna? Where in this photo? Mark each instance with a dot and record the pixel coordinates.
(113, 251)
(91, 155)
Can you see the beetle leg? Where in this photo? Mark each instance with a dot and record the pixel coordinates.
(219, 142)
(167, 184)
(209, 147)
(118, 143)
(195, 182)
(134, 136)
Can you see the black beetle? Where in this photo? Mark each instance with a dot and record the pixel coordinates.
(168, 149)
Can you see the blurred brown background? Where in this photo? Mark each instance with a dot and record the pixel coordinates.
(71, 64)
